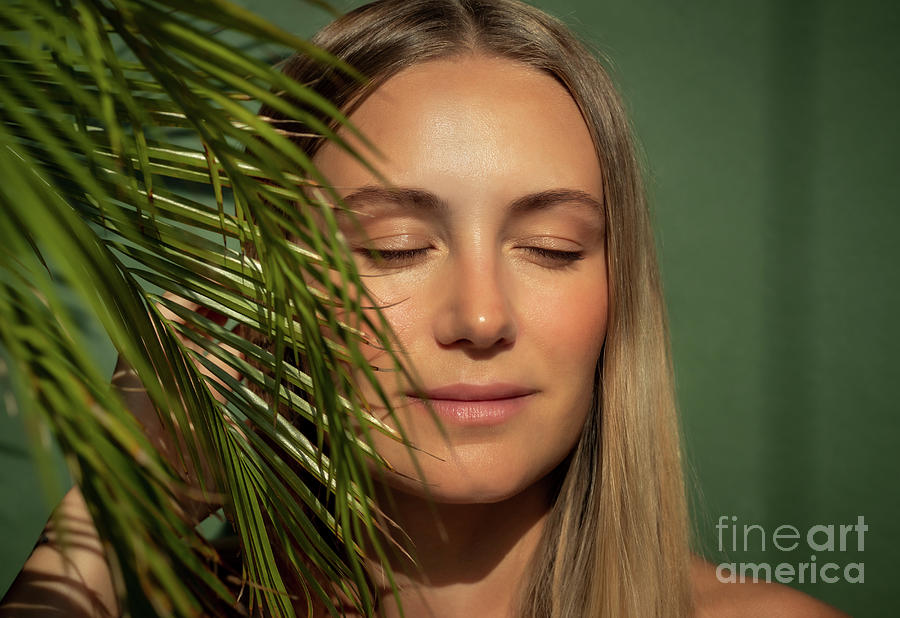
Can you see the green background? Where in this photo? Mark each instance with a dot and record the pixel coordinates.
(771, 135)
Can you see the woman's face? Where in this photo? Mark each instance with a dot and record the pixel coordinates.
(492, 269)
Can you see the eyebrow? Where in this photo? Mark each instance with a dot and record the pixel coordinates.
(429, 202)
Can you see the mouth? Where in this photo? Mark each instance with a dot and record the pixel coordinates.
(475, 404)
(474, 392)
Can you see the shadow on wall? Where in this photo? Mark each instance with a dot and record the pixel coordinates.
(790, 219)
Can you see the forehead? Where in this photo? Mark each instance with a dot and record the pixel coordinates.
(497, 126)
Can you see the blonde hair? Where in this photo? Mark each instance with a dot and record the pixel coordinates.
(616, 541)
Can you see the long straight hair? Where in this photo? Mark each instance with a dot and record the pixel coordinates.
(616, 540)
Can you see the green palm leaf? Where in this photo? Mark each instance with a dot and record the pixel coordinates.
(103, 154)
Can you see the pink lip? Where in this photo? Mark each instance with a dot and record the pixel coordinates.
(475, 404)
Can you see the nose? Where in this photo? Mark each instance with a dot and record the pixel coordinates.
(475, 310)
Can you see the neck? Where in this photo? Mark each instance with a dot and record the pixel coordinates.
(469, 558)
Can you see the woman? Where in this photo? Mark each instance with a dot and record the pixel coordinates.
(506, 234)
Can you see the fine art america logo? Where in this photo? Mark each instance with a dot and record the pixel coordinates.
(827, 539)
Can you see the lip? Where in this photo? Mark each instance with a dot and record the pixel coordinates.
(474, 392)
(475, 404)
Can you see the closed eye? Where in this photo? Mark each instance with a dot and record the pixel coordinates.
(555, 257)
(393, 257)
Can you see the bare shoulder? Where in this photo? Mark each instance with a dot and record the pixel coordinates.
(715, 599)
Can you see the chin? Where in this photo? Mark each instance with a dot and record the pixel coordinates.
(457, 491)
(466, 482)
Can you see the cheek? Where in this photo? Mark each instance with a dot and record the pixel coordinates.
(568, 328)
(568, 322)
(408, 321)
(398, 307)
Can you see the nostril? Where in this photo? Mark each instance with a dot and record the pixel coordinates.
(473, 310)
(483, 331)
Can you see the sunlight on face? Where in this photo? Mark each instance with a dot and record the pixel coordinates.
(487, 246)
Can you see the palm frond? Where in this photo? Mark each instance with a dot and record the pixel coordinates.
(116, 116)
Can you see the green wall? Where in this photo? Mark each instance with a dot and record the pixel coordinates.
(771, 135)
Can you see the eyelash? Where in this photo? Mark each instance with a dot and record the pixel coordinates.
(392, 256)
(401, 256)
(563, 258)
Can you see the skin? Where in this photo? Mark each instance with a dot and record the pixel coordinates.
(474, 302)
(480, 291)
(472, 292)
